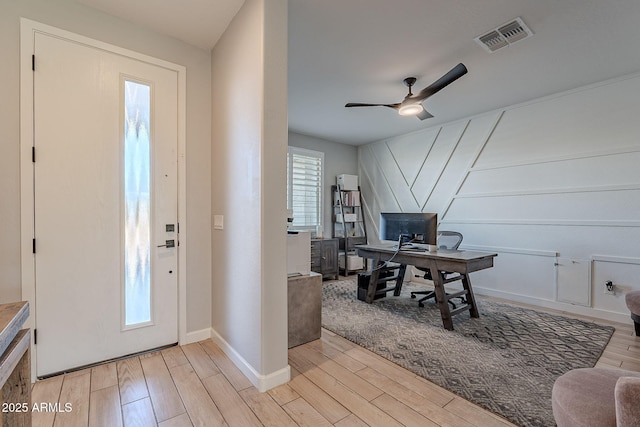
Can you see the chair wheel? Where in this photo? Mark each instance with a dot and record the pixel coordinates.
(420, 304)
(412, 296)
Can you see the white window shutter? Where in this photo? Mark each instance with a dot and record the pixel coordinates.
(304, 187)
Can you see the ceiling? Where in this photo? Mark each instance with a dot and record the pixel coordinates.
(197, 22)
(360, 51)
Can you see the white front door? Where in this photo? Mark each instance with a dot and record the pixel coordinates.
(105, 204)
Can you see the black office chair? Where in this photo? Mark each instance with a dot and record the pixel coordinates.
(446, 240)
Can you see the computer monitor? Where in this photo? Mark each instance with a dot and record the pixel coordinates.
(416, 227)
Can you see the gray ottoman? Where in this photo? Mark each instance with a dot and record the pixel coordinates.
(597, 397)
(633, 303)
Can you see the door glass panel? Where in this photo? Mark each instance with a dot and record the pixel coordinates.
(137, 215)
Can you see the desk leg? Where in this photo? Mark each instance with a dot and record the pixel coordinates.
(441, 298)
(373, 280)
(471, 300)
(401, 270)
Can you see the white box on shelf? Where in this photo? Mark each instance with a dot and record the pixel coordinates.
(355, 262)
(347, 217)
(347, 182)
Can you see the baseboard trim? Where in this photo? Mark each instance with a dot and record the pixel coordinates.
(195, 336)
(565, 307)
(261, 382)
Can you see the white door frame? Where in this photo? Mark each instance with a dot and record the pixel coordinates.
(28, 29)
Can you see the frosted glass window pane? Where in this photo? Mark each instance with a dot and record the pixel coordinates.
(137, 203)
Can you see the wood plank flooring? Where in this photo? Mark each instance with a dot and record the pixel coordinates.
(334, 383)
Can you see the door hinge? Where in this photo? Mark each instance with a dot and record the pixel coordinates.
(34, 246)
(33, 62)
(35, 336)
(33, 154)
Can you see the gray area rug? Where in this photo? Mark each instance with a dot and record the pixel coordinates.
(506, 361)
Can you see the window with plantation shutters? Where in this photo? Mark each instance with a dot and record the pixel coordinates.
(304, 187)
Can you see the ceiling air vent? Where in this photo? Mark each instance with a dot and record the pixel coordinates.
(504, 35)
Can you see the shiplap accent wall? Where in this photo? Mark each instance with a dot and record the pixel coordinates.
(552, 186)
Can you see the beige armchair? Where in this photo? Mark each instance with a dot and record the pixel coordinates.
(597, 397)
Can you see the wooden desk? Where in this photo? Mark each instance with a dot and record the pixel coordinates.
(15, 365)
(462, 262)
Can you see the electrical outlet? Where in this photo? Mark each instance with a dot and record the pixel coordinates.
(609, 288)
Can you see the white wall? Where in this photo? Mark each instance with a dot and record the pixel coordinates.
(249, 96)
(552, 186)
(71, 16)
(338, 159)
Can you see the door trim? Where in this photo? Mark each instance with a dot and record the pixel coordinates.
(28, 29)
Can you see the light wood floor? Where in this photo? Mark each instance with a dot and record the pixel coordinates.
(334, 382)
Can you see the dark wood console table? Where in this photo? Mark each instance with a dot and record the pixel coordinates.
(462, 262)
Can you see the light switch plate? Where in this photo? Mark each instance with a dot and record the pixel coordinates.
(218, 222)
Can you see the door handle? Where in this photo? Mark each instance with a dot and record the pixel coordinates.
(168, 244)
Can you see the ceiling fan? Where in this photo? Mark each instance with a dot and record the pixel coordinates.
(412, 104)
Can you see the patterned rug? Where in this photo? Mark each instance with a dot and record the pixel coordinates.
(506, 361)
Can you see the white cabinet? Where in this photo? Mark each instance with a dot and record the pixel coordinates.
(299, 253)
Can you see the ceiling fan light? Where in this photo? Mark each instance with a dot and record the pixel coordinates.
(410, 109)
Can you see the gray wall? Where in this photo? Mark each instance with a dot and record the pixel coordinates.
(71, 16)
(551, 185)
(249, 143)
(338, 159)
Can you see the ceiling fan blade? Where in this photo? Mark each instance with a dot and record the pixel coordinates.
(358, 104)
(454, 74)
(424, 114)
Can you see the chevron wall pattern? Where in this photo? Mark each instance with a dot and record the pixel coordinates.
(552, 186)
